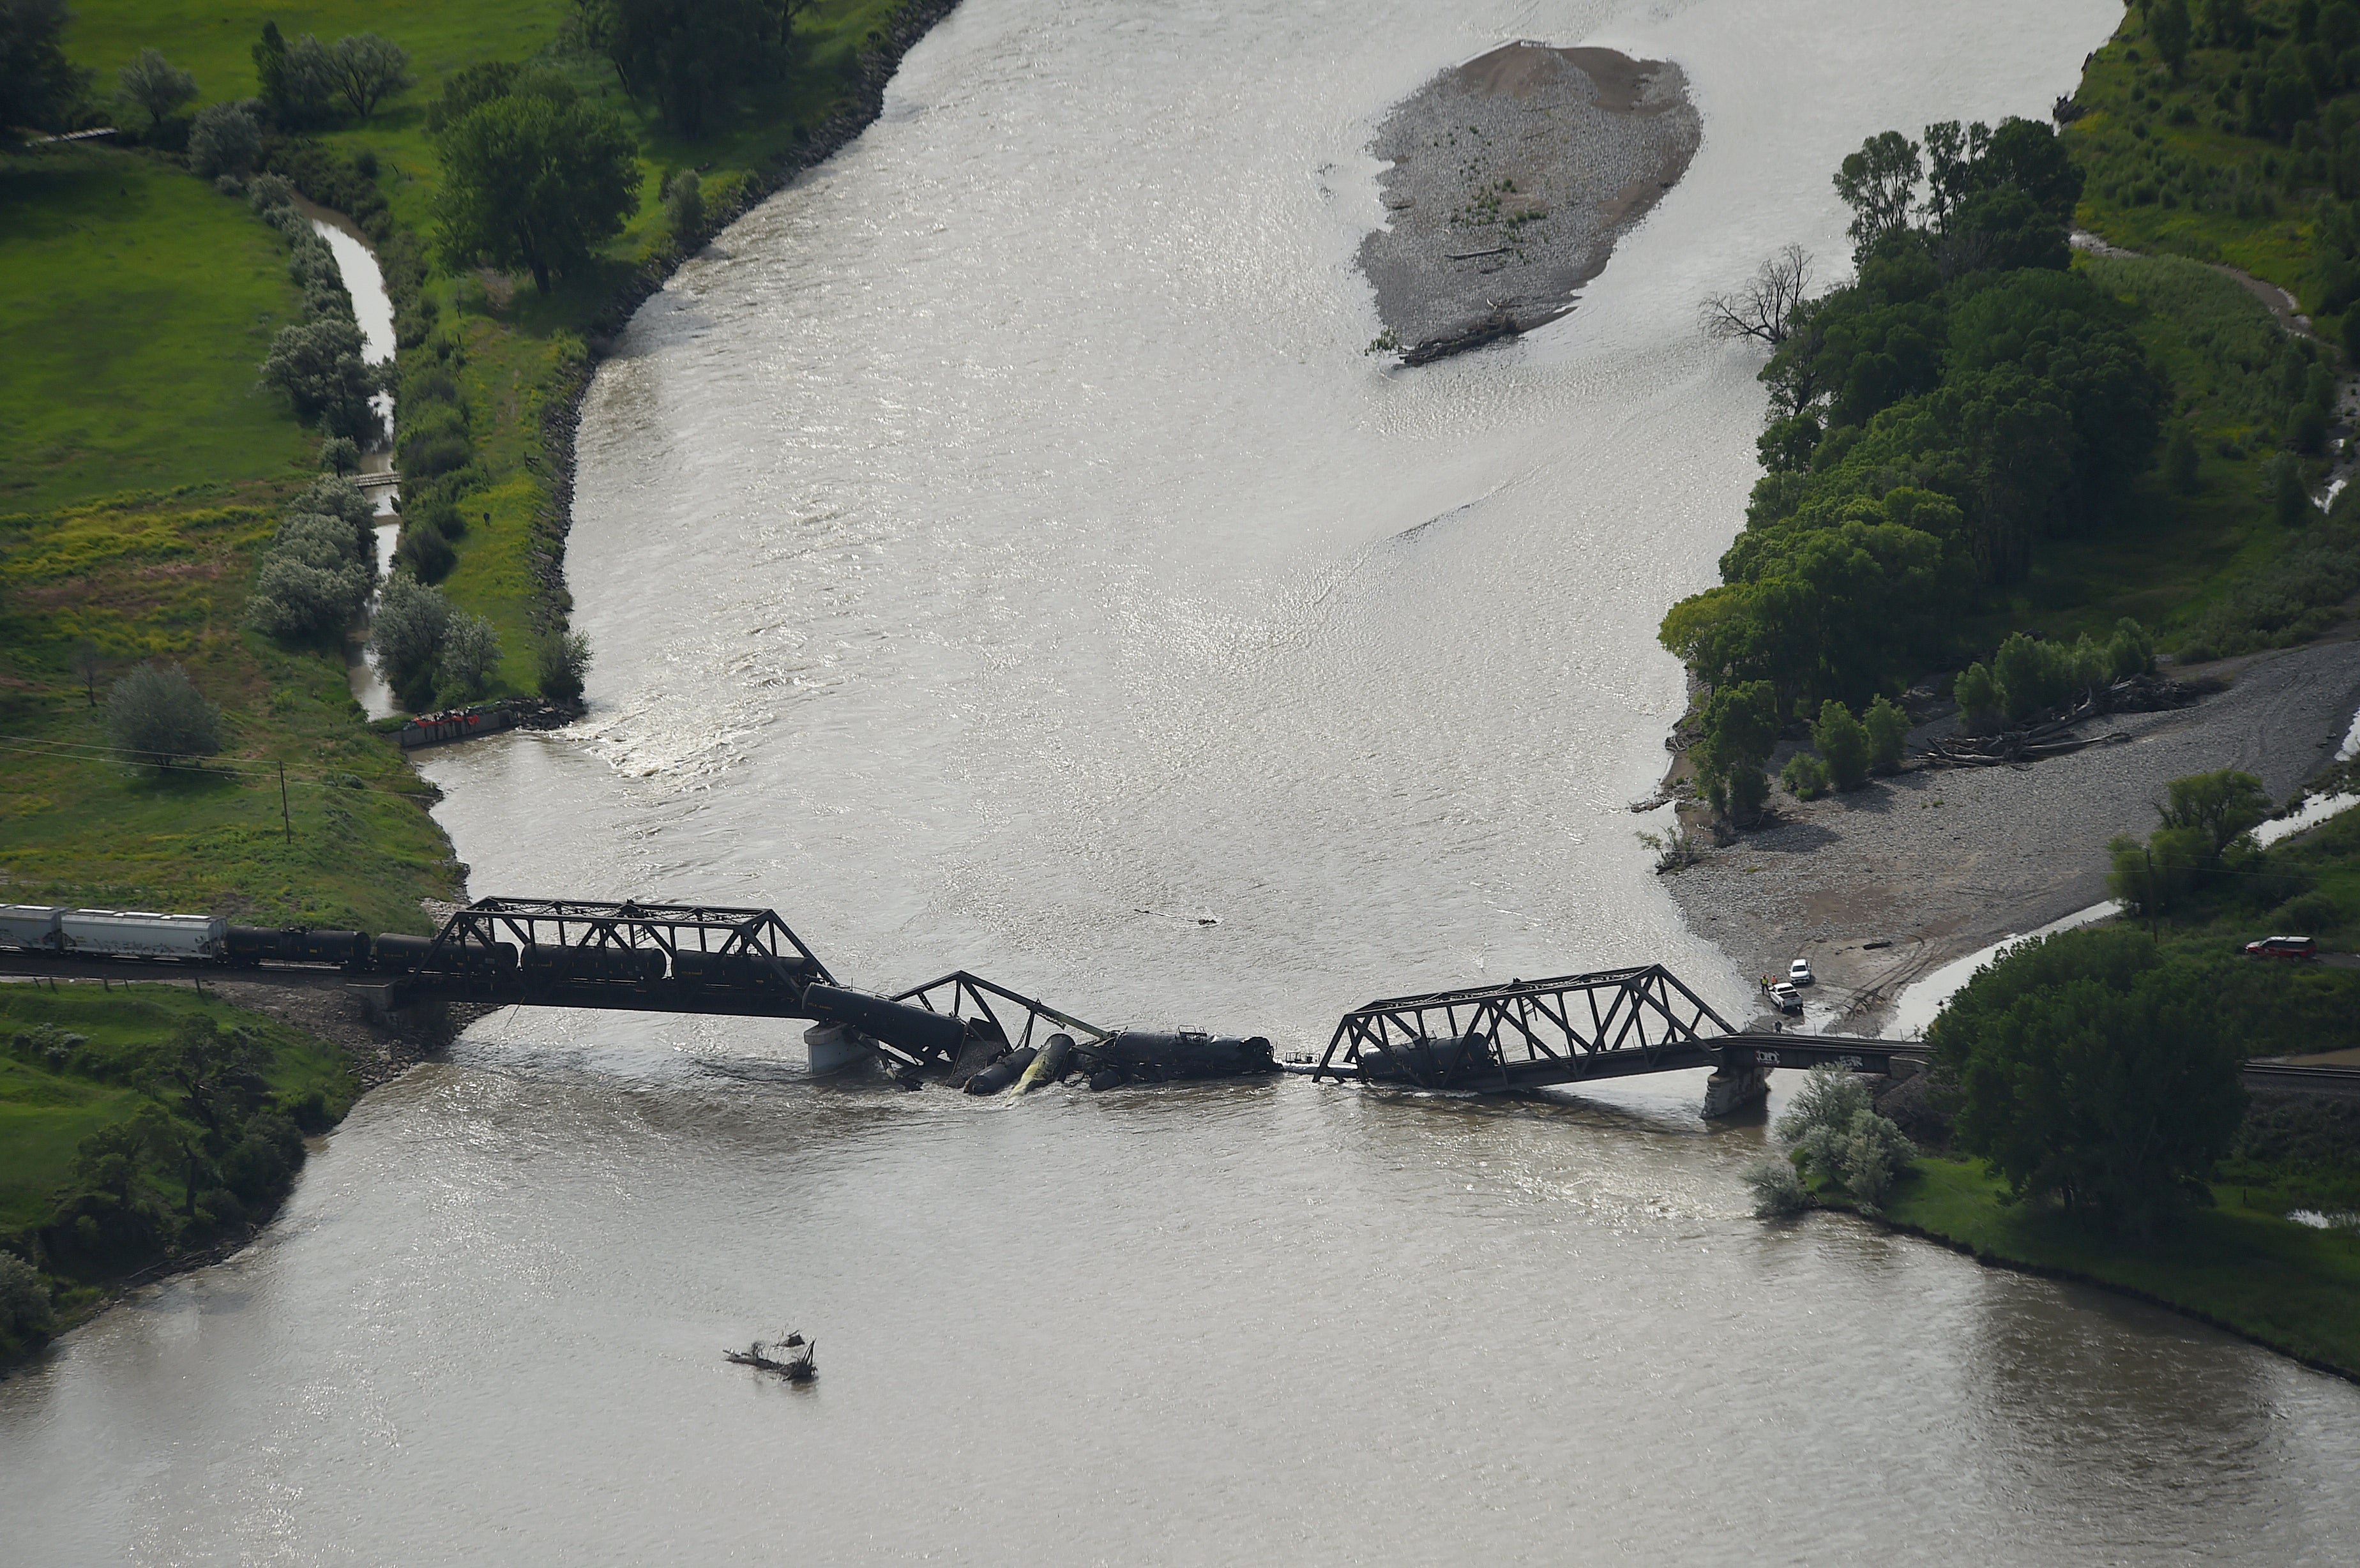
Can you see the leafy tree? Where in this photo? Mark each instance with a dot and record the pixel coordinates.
(271, 64)
(2182, 464)
(2029, 677)
(1887, 728)
(1978, 696)
(1837, 1133)
(157, 713)
(1740, 726)
(2148, 878)
(564, 660)
(2093, 1070)
(365, 67)
(2290, 496)
(87, 662)
(684, 205)
(225, 140)
(1805, 776)
(2222, 806)
(471, 654)
(407, 638)
(2167, 24)
(1879, 183)
(529, 181)
(38, 86)
(2228, 25)
(155, 86)
(690, 56)
(24, 1297)
(318, 365)
(299, 79)
(1844, 743)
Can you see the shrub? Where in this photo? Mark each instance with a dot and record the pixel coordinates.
(1978, 697)
(564, 659)
(267, 193)
(1777, 1187)
(24, 1297)
(407, 634)
(1843, 743)
(1835, 1125)
(226, 141)
(158, 714)
(318, 365)
(471, 654)
(425, 551)
(1805, 776)
(1889, 733)
(340, 454)
(2289, 497)
(684, 205)
(154, 85)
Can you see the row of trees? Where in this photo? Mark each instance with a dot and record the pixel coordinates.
(321, 567)
(317, 362)
(1930, 422)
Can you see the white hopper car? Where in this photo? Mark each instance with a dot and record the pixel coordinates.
(129, 933)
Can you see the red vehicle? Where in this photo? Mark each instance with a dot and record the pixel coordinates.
(2283, 947)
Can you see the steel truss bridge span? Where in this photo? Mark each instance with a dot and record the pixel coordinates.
(1571, 1028)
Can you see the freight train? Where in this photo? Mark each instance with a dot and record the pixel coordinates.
(211, 940)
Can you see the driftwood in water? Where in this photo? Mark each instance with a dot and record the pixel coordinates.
(797, 1365)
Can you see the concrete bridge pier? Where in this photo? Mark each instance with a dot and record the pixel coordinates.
(1732, 1089)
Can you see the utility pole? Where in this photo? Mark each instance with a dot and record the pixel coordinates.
(285, 819)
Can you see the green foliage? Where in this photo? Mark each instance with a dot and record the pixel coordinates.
(564, 659)
(407, 635)
(1777, 1188)
(365, 67)
(38, 86)
(24, 1298)
(1741, 727)
(471, 653)
(320, 568)
(1805, 776)
(2222, 806)
(690, 57)
(684, 205)
(1843, 741)
(532, 182)
(1838, 1136)
(1978, 696)
(157, 712)
(155, 86)
(2094, 1071)
(2202, 817)
(1887, 728)
(225, 140)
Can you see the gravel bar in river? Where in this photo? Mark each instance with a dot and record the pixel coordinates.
(1513, 177)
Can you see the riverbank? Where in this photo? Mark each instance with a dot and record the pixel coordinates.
(1511, 178)
(2240, 1266)
(1932, 865)
(131, 1151)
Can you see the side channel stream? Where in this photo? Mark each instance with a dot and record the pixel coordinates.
(373, 308)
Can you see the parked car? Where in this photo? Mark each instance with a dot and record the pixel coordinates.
(1799, 973)
(1785, 999)
(2283, 947)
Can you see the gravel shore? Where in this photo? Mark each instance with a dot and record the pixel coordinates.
(1513, 177)
(1940, 864)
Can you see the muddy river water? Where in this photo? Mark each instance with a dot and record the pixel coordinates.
(1000, 553)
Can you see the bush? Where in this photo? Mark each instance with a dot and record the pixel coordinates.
(1844, 744)
(1805, 776)
(1834, 1126)
(24, 1297)
(2289, 497)
(340, 454)
(424, 550)
(684, 206)
(225, 141)
(1889, 733)
(318, 365)
(156, 712)
(267, 193)
(154, 85)
(1777, 1187)
(564, 659)
(407, 634)
(471, 654)
(1978, 697)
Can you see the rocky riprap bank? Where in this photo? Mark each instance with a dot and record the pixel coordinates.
(1513, 178)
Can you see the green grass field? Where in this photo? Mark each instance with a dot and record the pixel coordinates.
(167, 579)
(135, 307)
(2287, 1285)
